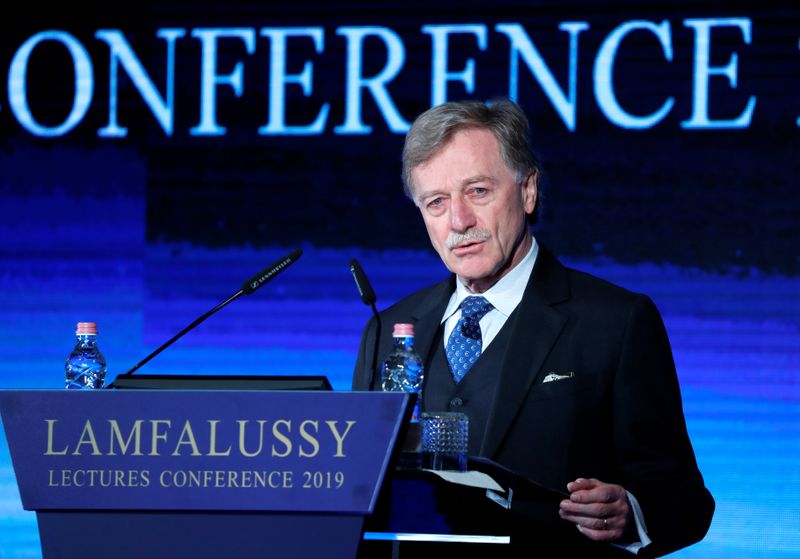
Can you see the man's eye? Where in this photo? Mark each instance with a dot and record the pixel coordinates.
(435, 202)
(479, 190)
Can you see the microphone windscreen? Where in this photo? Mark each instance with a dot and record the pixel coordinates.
(270, 271)
(362, 283)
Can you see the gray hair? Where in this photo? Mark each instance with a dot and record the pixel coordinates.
(434, 128)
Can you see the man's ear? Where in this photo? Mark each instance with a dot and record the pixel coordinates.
(530, 192)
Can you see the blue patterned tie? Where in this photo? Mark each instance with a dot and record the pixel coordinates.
(464, 346)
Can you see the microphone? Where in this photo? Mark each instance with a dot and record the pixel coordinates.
(362, 283)
(270, 272)
(247, 288)
(368, 297)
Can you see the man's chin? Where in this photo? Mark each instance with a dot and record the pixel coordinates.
(471, 273)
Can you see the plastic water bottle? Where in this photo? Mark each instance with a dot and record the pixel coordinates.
(86, 366)
(403, 370)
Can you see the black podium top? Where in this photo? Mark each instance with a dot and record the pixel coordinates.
(220, 382)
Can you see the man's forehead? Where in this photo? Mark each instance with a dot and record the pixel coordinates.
(469, 155)
(462, 139)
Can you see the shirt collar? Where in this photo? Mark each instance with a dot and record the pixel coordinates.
(504, 295)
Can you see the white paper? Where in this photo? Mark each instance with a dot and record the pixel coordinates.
(470, 478)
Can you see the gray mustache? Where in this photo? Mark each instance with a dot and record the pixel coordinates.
(454, 239)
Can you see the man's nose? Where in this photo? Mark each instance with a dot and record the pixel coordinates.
(462, 217)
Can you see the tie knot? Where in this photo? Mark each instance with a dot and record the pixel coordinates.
(475, 307)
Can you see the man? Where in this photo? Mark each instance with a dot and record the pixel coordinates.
(575, 386)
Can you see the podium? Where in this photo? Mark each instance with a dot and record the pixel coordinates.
(201, 473)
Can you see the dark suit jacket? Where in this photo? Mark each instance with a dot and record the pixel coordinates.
(618, 419)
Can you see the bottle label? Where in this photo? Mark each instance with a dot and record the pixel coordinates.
(415, 412)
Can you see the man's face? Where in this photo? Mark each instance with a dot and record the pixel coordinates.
(474, 208)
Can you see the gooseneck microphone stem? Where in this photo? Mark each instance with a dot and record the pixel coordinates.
(248, 287)
(375, 373)
(177, 336)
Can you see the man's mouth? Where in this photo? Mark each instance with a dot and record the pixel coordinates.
(467, 247)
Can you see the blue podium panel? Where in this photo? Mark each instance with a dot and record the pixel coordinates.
(201, 450)
(200, 473)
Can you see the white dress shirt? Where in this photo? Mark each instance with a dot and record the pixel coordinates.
(504, 296)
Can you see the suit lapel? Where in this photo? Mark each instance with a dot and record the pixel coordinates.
(536, 326)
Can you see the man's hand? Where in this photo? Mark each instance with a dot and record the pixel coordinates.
(599, 510)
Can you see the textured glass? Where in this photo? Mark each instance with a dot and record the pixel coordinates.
(445, 436)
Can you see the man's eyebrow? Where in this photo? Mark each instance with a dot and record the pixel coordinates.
(476, 179)
(469, 181)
